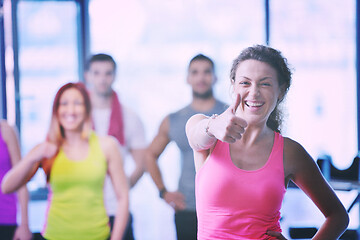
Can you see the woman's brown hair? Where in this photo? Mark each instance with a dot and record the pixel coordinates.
(56, 133)
(275, 59)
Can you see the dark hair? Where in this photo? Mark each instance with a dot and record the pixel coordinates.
(101, 57)
(275, 59)
(202, 57)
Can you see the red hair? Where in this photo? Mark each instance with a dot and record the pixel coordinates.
(56, 133)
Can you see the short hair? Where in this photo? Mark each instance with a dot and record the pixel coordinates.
(275, 59)
(56, 133)
(100, 57)
(202, 57)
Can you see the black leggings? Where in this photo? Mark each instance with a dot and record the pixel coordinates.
(38, 236)
(7, 232)
(128, 235)
(186, 225)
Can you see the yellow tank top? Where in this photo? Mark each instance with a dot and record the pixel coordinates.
(76, 204)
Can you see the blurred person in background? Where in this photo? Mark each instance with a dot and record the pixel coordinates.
(244, 164)
(76, 162)
(9, 156)
(201, 77)
(111, 117)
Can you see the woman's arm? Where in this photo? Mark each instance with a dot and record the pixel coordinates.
(202, 132)
(115, 169)
(26, 168)
(10, 137)
(139, 159)
(23, 231)
(303, 171)
(198, 132)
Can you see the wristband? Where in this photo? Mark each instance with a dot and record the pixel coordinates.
(162, 193)
(208, 125)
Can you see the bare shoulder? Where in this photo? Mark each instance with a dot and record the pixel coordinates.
(108, 144)
(7, 132)
(295, 156)
(163, 131)
(165, 125)
(4, 126)
(292, 148)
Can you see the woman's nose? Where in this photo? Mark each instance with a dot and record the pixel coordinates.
(71, 108)
(254, 90)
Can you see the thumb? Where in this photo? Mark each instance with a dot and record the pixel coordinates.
(236, 104)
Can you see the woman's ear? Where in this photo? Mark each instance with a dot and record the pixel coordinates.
(282, 93)
(232, 91)
(233, 84)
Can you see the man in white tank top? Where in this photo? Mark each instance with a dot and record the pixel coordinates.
(110, 117)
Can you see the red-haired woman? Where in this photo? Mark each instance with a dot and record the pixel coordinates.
(76, 162)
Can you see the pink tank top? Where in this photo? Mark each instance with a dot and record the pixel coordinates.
(233, 203)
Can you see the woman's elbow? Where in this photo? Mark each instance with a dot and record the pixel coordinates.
(342, 219)
(345, 219)
(10, 184)
(5, 189)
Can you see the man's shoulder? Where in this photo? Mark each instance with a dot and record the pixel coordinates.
(221, 103)
(181, 111)
(189, 111)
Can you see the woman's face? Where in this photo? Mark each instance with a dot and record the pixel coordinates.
(258, 86)
(71, 111)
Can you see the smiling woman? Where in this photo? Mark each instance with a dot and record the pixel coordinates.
(249, 163)
(76, 162)
(276, 73)
(71, 110)
(256, 83)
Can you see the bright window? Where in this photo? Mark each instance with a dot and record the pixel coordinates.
(47, 59)
(318, 38)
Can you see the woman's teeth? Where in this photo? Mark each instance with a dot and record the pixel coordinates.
(254, 104)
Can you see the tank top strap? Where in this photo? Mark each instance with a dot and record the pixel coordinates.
(276, 155)
(93, 141)
(95, 147)
(221, 153)
(221, 148)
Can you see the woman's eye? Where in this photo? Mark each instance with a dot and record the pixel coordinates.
(244, 83)
(266, 84)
